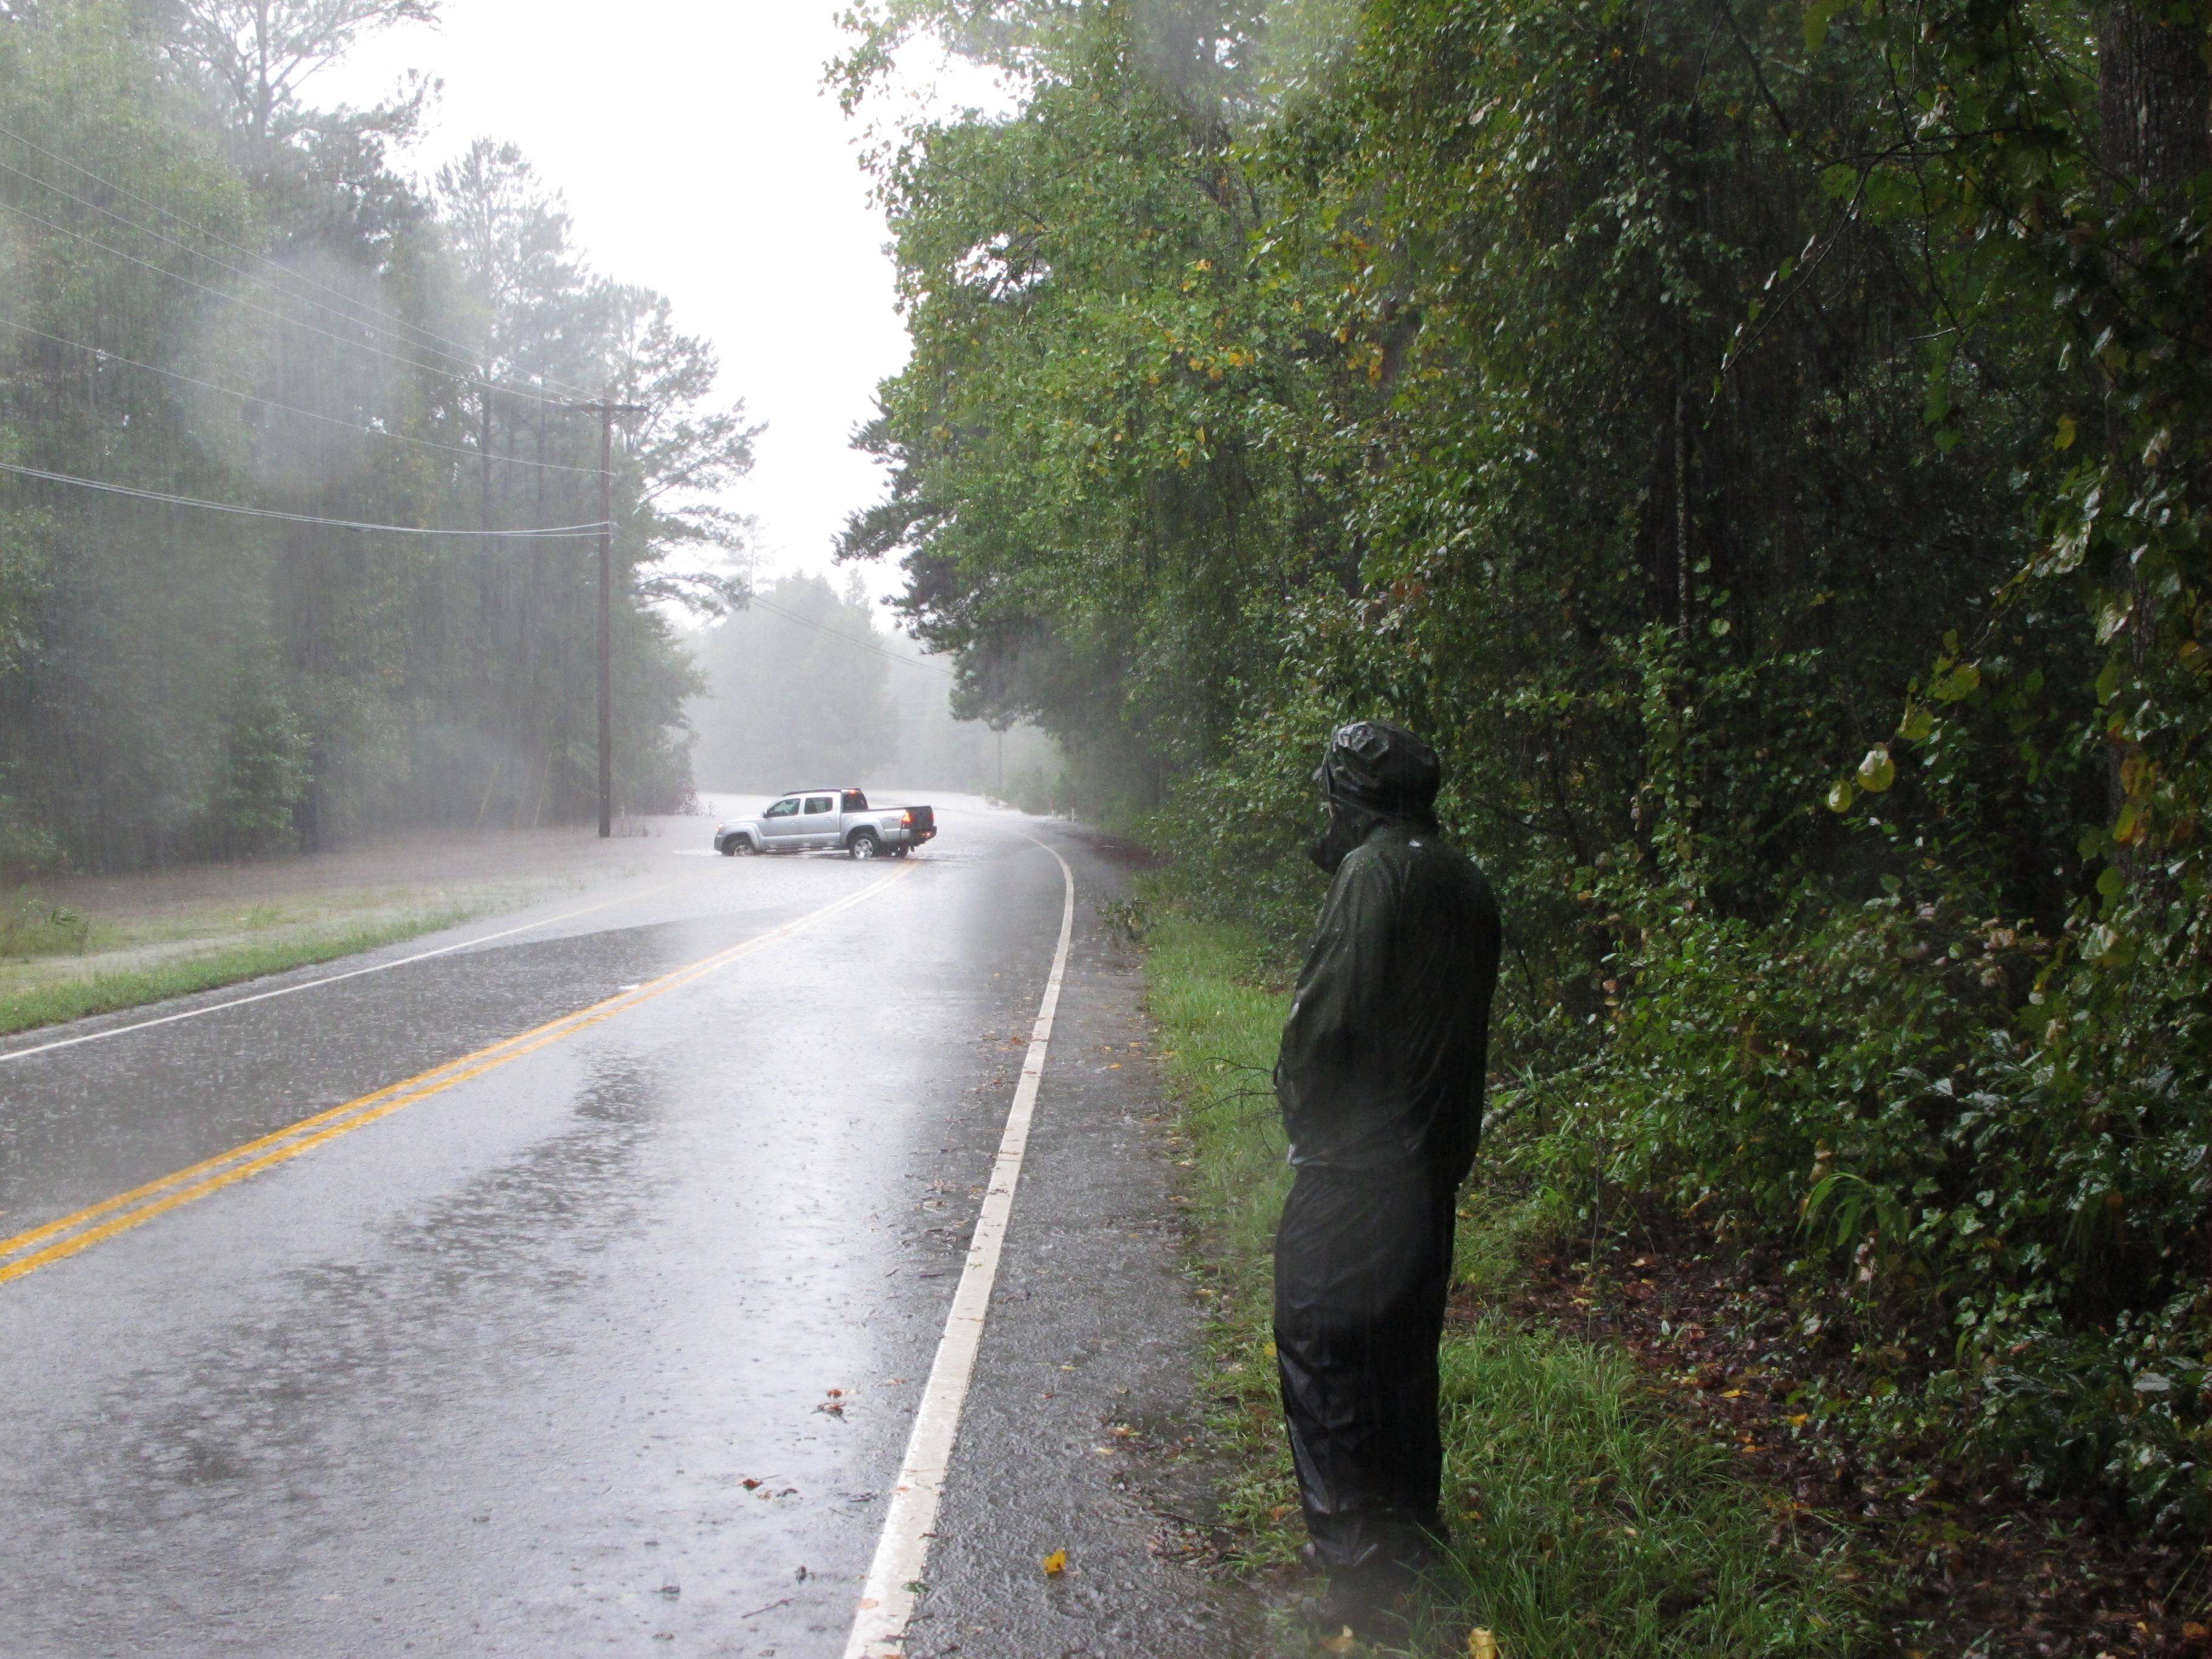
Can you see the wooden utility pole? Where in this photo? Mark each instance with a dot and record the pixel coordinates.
(607, 411)
(607, 619)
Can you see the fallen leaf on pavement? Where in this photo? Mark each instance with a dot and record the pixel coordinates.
(1056, 1564)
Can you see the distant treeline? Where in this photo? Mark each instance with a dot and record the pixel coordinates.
(1767, 449)
(210, 290)
(802, 688)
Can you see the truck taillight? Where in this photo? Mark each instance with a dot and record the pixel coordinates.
(906, 817)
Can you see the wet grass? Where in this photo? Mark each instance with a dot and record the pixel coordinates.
(52, 1001)
(1219, 1017)
(1587, 1522)
(32, 927)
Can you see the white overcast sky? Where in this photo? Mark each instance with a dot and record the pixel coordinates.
(700, 155)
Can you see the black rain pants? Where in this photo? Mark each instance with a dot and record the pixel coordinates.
(1363, 1262)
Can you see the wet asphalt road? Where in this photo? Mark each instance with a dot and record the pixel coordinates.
(544, 1363)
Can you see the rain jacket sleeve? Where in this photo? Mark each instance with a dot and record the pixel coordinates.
(1327, 1065)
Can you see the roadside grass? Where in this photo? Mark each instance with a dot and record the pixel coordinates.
(32, 927)
(55, 1000)
(1587, 1523)
(1208, 988)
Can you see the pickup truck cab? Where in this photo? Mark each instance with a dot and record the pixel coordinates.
(808, 820)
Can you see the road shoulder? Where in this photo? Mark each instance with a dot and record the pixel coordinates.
(1079, 1434)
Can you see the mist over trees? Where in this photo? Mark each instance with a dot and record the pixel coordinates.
(801, 696)
(802, 688)
(216, 291)
(1767, 451)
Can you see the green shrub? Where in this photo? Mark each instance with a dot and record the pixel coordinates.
(1040, 790)
(263, 770)
(2007, 1229)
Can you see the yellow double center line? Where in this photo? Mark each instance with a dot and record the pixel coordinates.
(28, 1252)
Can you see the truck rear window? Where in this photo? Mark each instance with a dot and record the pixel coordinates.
(856, 801)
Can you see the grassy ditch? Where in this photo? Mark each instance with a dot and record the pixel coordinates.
(1587, 1522)
(52, 1000)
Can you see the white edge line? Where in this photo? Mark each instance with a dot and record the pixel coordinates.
(316, 984)
(887, 1598)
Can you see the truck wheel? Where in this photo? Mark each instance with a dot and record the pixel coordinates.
(728, 849)
(901, 852)
(864, 844)
(740, 846)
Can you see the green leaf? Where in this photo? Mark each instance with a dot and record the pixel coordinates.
(1917, 726)
(2065, 437)
(1956, 685)
(1841, 795)
(1817, 16)
(1877, 771)
(2108, 947)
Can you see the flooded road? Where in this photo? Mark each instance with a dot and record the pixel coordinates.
(604, 1331)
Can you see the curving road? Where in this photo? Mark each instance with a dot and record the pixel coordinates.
(573, 1291)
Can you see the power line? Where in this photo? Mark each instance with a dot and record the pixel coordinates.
(456, 348)
(775, 609)
(290, 322)
(289, 409)
(549, 532)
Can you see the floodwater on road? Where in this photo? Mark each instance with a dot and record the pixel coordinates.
(609, 1337)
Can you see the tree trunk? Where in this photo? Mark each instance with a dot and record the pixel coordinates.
(2154, 99)
(2154, 118)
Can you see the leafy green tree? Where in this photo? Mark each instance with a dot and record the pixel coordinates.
(1713, 428)
(218, 290)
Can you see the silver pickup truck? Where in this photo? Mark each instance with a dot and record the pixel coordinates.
(810, 819)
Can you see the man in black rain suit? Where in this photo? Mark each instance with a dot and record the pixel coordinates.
(1381, 1084)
